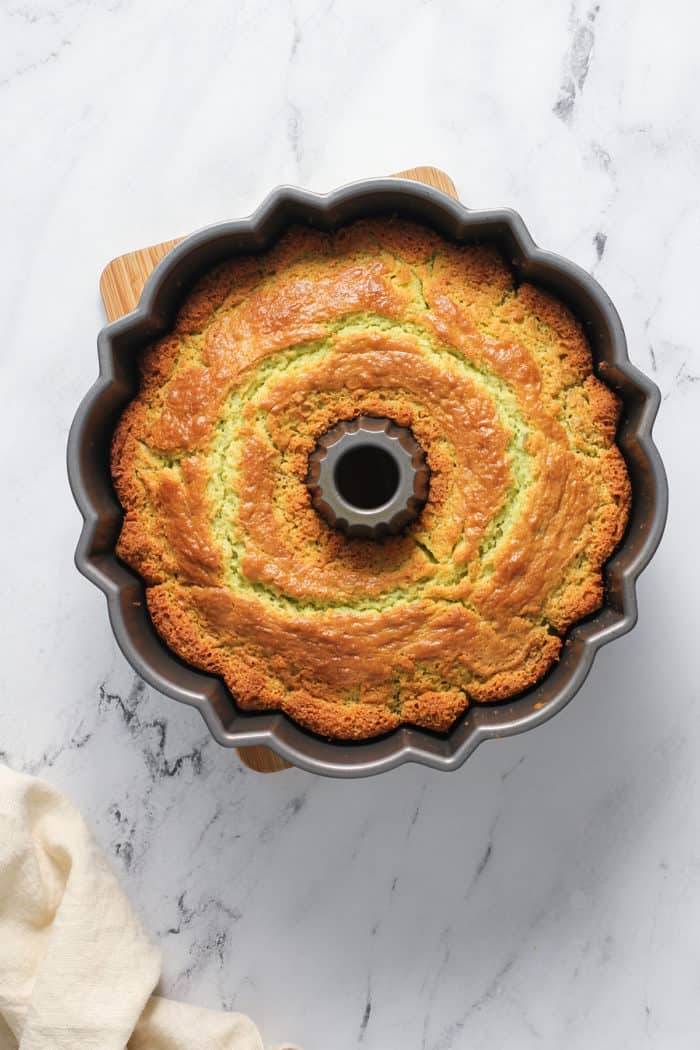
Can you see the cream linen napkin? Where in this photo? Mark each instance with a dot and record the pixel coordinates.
(76, 968)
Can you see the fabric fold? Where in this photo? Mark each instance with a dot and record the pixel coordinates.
(76, 967)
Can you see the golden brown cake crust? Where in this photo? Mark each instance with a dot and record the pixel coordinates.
(529, 494)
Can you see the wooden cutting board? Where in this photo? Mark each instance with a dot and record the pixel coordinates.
(121, 285)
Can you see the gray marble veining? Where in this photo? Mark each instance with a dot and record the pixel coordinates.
(547, 894)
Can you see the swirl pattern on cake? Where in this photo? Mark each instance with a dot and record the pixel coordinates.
(529, 494)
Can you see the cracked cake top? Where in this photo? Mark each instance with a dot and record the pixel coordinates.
(528, 495)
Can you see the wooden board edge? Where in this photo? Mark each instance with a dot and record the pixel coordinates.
(124, 277)
(262, 759)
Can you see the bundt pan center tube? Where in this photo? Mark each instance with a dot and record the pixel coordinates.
(363, 470)
(368, 477)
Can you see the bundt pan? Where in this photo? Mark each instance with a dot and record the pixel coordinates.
(88, 465)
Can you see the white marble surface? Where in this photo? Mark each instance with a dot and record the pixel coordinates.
(548, 893)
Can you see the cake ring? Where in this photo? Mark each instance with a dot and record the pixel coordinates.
(509, 491)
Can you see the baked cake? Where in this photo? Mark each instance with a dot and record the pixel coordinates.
(528, 496)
